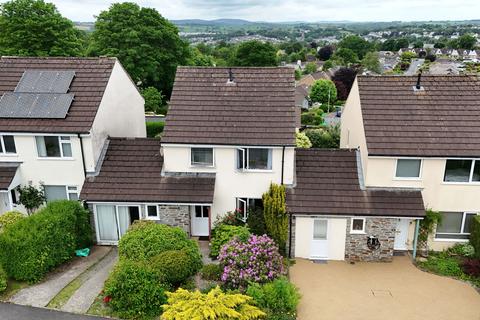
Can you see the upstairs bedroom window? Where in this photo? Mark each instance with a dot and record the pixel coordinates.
(408, 168)
(254, 159)
(462, 171)
(7, 145)
(54, 147)
(201, 157)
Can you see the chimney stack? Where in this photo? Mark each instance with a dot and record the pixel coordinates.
(418, 86)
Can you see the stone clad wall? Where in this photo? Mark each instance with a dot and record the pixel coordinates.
(356, 248)
(175, 216)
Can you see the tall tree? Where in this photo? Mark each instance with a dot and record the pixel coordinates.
(147, 44)
(371, 62)
(323, 91)
(275, 214)
(467, 41)
(325, 53)
(357, 45)
(255, 54)
(36, 28)
(345, 56)
(345, 76)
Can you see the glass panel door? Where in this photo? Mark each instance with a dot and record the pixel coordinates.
(123, 219)
(106, 223)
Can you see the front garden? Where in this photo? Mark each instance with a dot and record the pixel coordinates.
(160, 272)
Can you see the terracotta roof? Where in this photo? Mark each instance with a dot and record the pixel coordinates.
(327, 183)
(442, 120)
(257, 109)
(88, 86)
(7, 173)
(131, 171)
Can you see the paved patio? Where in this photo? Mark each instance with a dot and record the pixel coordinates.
(397, 290)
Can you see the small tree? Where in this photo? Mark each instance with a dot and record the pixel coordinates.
(31, 198)
(475, 235)
(275, 213)
(427, 225)
(310, 67)
(302, 140)
(323, 91)
(154, 100)
(371, 62)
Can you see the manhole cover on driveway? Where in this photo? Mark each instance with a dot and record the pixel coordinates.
(381, 293)
(320, 261)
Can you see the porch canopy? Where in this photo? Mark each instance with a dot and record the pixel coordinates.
(132, 172)
(7, 174)
(329, 182)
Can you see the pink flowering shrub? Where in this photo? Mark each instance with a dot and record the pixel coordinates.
(256, 260)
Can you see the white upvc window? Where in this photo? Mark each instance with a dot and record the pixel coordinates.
(254, 159)
(408, 168)
(245, 204)
(455, 226)
(357, 225)
(462, 171)
(201, 157)
(152, 212)
(7, 145)
(54, 146)
(53, 192)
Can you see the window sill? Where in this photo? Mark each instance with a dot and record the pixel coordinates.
(56, 158)
(475, 183)
(255, 170)
(406, 179)
(450, 240)
(205, 166)
(10, 155)
(357, 232)
(152, 218)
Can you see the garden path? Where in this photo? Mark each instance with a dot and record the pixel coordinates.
(39, 295)
(92, 285)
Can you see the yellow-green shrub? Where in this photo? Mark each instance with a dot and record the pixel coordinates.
(215, 305)
(3, 280)
(10, 217)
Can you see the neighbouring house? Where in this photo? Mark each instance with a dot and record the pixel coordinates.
(229, 133)
(55, 117)
(301, 96)
(423, 134)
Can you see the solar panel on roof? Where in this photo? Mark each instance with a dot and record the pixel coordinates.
(35, 105)
(45, 81)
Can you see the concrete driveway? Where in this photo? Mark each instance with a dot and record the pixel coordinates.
(397, 290)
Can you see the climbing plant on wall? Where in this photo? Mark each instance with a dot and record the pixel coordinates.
(427, 226)
(275, 213)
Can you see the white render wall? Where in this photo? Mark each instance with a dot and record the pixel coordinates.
(231, 183)
(120, 114)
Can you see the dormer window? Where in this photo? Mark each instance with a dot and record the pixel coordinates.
(201, 157)
(54, 146)
(7, 145)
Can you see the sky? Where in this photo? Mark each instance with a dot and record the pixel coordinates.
(288, 10)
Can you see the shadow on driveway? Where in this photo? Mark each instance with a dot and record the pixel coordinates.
(16, 312)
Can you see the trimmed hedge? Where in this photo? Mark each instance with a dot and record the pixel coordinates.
(154, 129)
(146, 239)
(475, 235)
(35, 245)
(175, 265)
(3, 280)
(222, 234)
(136, 290)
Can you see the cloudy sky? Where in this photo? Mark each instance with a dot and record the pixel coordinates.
(289, 10)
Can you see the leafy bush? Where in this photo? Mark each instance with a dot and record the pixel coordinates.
(323, 91)
(471, 267)
(31, 198)
(136, 290)
(256, 222)
(462, 249)
(211, 272)
(215, 305)
(443, 264)
(328, 137)
(278, 299)
(154, 129)
(302, 140)
(146, 239)
(231, 218)
(3, 280)
(313, 117)
(10, 217)
(33, 246)
(257, 260)
(223, 233)
(176, 265)
(475, 235)
(154, 100)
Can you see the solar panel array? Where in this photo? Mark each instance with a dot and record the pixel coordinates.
(39, 94)
(35, 105)
(41, 81)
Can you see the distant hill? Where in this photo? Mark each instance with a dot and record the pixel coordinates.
(216, 22)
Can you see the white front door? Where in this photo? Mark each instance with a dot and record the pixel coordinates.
(401, 234)
(319, 247)
(200, 221)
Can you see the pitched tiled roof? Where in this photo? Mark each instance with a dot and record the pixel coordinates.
(258, 109)
(88, 86)
(131, 171)
(327, 183)
(443, 120)
(7, 173)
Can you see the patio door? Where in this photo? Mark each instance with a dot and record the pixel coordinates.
(401, 234)
(319, 245)
(112, 221)
(200, 219)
